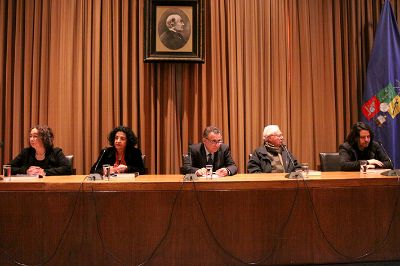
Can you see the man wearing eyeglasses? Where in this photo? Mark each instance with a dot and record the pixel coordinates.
(210, 151)
(272, 157)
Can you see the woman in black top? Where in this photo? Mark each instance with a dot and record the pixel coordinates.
(41, 158)
(122, 156)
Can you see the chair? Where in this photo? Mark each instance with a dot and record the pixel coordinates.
(184, 158)
(71, 161)
(330, 161)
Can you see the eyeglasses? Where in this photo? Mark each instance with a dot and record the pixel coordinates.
(215, 142)
(277, 135)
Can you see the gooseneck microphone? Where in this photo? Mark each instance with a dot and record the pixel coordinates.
(101, 157)
(289, 156)
(96, 176)
(384, 150)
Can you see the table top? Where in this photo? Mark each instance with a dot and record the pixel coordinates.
(175, 182)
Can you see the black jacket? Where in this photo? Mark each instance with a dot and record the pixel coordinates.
(260, 161)
(350, 159)
(55, 162)
(133, 159)
(196, 159)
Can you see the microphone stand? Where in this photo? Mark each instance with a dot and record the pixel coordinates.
(384, 150)
(292, 174)
(96, 176)
(392, 171)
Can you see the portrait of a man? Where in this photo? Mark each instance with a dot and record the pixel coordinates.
(172, 37)
(174, 29)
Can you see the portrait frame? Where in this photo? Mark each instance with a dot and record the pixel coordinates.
(174, 31)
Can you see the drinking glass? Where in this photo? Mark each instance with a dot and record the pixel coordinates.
(363, 167)
(209, 171)
(106, 171)
(305, 168)
(7, 172)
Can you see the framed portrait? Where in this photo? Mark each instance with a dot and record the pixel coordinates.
(174, 31)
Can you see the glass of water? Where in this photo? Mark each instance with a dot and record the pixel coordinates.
(305, 168)
(363, 167)
(209, 171)
(106, 171)
(7, 172)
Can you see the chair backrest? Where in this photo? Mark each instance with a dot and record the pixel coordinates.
(330, 161)
(71, 160)
(184, 158)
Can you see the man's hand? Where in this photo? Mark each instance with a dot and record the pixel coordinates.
(375, 162)
(222, 172)
(201, 172)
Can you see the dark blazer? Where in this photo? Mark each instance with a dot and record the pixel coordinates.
(172, 40)
(196, 159)
(133, 158)
(54, 163)
(350, 161)
(260, 161)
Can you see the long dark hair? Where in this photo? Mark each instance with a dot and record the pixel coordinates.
(131, 139)
(354, 136)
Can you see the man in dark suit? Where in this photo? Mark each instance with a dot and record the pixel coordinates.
(210, 151)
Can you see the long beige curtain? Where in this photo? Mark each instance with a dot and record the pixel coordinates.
(77, 65)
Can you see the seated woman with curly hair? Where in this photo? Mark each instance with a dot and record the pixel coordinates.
(41, 158)
(122, 156)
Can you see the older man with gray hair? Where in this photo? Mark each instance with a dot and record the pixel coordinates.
(272, 156)
(172, 37)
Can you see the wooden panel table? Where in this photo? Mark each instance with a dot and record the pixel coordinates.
(160, 220)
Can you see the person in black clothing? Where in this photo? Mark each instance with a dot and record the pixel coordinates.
(272, 157)
(122, 156)
(210, 151)
(360, 146)
(41, 158)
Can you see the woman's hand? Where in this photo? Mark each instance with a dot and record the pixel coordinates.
(119, 169)
(35, 170)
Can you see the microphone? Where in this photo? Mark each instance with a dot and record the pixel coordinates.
(292, 174)
(101, 157)
(384, 150)
(392, 171)
(288, 155)
(96, 176)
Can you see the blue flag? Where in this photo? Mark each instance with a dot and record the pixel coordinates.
(381, 97)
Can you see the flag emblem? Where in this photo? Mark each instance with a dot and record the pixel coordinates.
(371, 107)
(386, 94)
(394, 106)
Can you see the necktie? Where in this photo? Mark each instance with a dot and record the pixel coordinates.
(209, 159)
